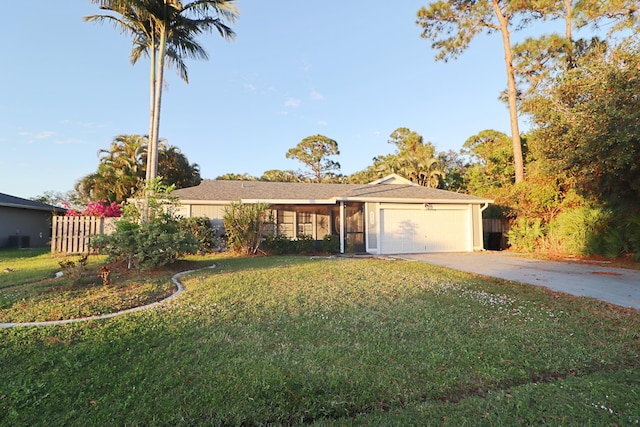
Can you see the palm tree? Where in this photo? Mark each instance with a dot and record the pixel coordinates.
(423, 171)
(174, 167)
(165, 31)
(120, 165)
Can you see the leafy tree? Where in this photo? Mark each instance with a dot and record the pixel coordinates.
(334, 178)
(414, 159)
(120, 166)
(121, 170)
(451, 25)
(314, 151)
(406, 140)
(237, 177)
(165, 31)
(616, 14)
(537, 61)
(491, 161)
(363, 177)
(68, 200)
(175, 169)
(454, 168)
(588, 123)
(276, 175)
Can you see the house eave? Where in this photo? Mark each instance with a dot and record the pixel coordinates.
(33, 208)
(335, 200)
(415, 200)
(331, 201)
(269, 201)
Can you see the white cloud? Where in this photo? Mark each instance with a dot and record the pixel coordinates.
(292, 102)
(249, 87)
(39, 135)
(322, 123)
(315, 95)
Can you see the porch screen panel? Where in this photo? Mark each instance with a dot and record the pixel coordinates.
(372, 226)
(354, 221)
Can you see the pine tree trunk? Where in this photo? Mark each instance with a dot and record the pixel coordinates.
(518, 158)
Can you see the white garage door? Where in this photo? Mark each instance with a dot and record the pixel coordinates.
(422, 230)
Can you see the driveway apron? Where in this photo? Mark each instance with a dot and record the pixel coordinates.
(619, 286)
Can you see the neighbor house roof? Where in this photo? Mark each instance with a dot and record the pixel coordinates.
(20, 203)
(389, 189)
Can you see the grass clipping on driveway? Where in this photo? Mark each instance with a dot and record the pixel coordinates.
(292, 340)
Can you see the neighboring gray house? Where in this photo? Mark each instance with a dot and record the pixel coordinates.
(389, 216)
(25, 223)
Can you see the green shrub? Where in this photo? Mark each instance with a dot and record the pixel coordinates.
(280, 244)
(148, 235)
(633, 235)
(581, 231)
(304, 244)
(275, 244)
(331, 244)
(622, 236)
(147, 245)
(203, 231)
(525, 234)
(245, 226)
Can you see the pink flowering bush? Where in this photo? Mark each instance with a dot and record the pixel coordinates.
(102, 209)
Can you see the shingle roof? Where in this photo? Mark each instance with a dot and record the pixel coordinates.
(17, 202)
(225, 191)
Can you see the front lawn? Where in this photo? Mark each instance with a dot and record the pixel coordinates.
(31, 291)
(297, 340)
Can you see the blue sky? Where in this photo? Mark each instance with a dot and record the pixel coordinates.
(352, 71)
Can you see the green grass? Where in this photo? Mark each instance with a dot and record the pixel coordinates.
(26, 265)
(293, 340)
(30, 291)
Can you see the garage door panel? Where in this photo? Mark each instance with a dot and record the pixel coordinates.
(421, 230)
(448, 231)
(402, 231)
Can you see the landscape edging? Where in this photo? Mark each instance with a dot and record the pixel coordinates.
(174, 279)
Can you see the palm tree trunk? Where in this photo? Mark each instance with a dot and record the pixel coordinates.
(152, 98)
(518, 158)
(153, 143)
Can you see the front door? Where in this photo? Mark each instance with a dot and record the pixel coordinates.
(354, 240)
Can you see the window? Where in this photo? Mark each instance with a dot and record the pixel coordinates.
(305, 223)
(285, 223)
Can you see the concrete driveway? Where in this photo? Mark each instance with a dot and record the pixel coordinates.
(616, 285)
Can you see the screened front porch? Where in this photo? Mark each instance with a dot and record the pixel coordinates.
(318, 221)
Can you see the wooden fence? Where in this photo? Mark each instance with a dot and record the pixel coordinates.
(491, 225)
(495, 233)
(72, 234)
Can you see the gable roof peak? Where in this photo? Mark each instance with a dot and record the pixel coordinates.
(392, 179)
